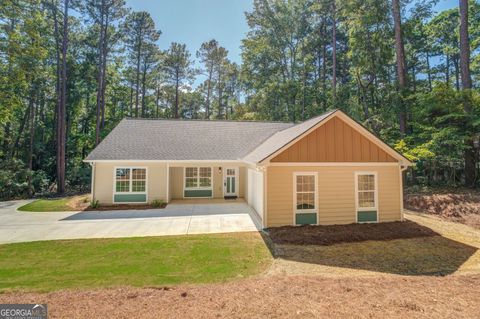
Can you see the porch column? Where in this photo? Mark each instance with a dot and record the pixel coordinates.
(168, 183)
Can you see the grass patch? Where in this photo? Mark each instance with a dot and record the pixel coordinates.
(48, 205)
(148, 261)
(427, 256)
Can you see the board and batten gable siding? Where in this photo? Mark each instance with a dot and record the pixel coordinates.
(336, 193)
(105, 174)
(334, 141)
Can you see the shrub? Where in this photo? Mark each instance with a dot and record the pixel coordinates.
(94, 203)
(14, 180)
(157, 203)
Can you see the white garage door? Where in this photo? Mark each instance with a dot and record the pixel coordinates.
(255, 191)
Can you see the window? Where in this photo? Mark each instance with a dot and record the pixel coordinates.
(198, 177)
(130, 180)
(305, 192)
(366, 191)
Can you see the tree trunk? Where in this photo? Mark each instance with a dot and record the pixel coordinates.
(457, 72)
(400, 54)
(100, 74)
(157, 102)
(20, 132)
(209, 89)
(61, 125)
(447, 71)
(144, 80)
(104, 67)
(131, 100)
(324, 69)
(414, 79)
(6, 139)
(177, 82)
(32, 138)
(137, 82)
(429, 75)
(334, 53)
(469, 153)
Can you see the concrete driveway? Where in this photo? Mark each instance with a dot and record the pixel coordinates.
(175, 219)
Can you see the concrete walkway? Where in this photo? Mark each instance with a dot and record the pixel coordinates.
(175, 219)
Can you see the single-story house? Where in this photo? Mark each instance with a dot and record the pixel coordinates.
(326, 170)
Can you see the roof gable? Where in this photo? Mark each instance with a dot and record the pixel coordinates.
(334, 141)
(281, 141)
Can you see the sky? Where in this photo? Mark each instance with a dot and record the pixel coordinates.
(196, 21)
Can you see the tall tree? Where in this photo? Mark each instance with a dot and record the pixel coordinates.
(208, 55)
(334, 51)
(104, 14)
(469, 153)
(62, 109)
(401, 67)
(221, 67)
(178, 71)
(141, 33)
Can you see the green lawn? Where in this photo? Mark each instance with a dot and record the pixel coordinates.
(148, 261)
(47, 205)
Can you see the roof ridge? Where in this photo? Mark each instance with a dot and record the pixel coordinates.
(202, 120)
(310, 119)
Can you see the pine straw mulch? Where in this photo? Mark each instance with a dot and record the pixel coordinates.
(273, 297)
(335, 234)
(82, 203)
(462, 206)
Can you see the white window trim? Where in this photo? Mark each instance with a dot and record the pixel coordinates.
(130, 186)
(198, 178)
(315, 200)
(197, 188)
(375, 196)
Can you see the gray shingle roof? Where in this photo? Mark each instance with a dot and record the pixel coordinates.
(142, 139)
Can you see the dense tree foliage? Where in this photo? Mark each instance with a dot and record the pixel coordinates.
(71, 70)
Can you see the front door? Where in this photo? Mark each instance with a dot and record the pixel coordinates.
(230, 182)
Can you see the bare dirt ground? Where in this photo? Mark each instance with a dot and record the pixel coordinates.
(335, 234)
(425, 277)
(275, 297)
(463, 206)
(79, 202)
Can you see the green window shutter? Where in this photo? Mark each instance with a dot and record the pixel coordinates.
(367, 216)
(130, 198)
(306, 218)
(198, 193)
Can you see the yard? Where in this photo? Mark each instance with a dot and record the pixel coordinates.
(141, 262)
(63, 204)
(80, 203)
(234, 275)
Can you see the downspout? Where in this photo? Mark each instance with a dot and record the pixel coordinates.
(168, 183)
(92, 186)
(402, 168)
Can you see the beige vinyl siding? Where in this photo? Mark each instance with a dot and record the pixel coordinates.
(336, 193)
(217, 183)
(176, 182)
(104, 178)
(242, 182)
